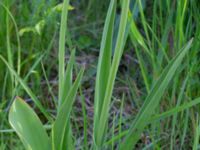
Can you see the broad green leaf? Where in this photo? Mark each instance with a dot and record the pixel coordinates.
(62, 119)
(153, 100)
(28, 126)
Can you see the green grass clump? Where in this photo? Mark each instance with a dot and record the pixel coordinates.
(143, 79)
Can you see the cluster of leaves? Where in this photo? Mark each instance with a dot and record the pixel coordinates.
(34, 134)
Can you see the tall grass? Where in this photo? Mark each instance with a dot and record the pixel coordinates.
(107, 70)
(164, 44)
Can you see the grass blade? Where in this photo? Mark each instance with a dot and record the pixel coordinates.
(17, 35)
(153, 100)
(28, 90)
(68, 77)
(63, 116)
(104, 63)
(158, 117)
(61, 54)
(114, 67)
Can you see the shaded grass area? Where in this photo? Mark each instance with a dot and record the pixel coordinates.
(157, 32)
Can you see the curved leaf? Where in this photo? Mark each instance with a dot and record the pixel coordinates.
(28, 126)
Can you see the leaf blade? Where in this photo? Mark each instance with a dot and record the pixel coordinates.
(64, 112)
(153, 99)
(28, 126)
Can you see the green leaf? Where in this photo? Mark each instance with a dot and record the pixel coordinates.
(136, 35)
(62, 119)
(104, 64)
(65, 91)
(153, 100)
(28, 126)
(68, 77)
(39, 26)
(59, 7)
(61, 52)
(161, 116)
(26, 30)
(37, 29)
(101, 123)
(175, 110)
